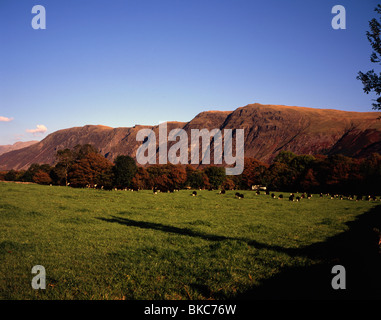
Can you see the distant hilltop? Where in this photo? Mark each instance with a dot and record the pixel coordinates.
(269, 129)
(16, 146)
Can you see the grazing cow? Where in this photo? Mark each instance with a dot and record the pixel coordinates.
(309, 196)
(280, 196)
(239, 195)
(273, 195)
(291, 197)
(194, 193)
(297, 198)
(258, 192)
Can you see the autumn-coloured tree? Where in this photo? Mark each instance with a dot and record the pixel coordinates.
(163, 183)
(253, 173)
(178, 176)
(228, 184)
(41, 177)
(309, 182)
(205, 182)
(334, 173)
(142, 180)
(90, 170)
(2, 175)
(167, 177)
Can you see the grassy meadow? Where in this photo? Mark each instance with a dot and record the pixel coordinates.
(97, 244)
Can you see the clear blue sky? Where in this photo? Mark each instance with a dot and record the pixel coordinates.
(126, 62)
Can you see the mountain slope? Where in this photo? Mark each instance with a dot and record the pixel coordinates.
(268, 130)
(15, 146)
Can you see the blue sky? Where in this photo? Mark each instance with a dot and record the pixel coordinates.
(126, 62)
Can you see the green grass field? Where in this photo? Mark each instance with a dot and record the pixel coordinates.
(97, 244)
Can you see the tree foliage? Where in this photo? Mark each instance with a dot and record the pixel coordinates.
(41, 177)
(91, 169)
(86, 167)
(216, 176)
(124, 170)
(372, 80)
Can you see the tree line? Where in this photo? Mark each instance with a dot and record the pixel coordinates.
(83, 166)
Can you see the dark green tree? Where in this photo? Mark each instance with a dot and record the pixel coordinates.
(195, 179)
(65, 159)
(372, 80)
(11, 175)
(32, 170)
(81, 151)
(284, 157)
(124, 170)
(216, 176)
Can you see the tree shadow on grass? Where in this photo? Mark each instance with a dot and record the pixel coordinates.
(356, 249)
(190, 233)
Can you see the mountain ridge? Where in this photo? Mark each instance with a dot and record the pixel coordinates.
(269, 129)
(16, 146)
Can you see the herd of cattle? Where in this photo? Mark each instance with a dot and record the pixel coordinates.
(292, 196)
(308, 196)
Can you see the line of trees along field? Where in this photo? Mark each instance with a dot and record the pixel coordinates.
(84, 166)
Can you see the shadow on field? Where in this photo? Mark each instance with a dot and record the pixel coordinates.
(163, 227)
(190, 233)
(356, 249)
